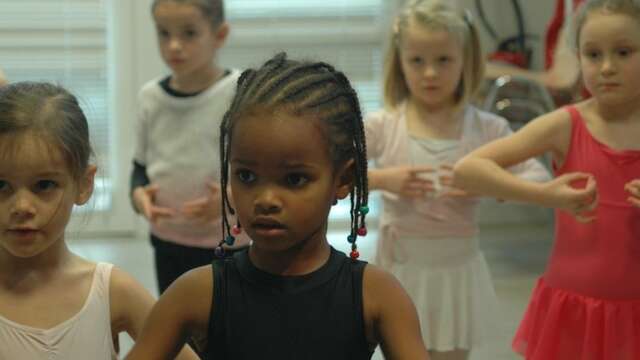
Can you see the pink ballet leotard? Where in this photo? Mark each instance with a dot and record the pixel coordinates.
(587, 304)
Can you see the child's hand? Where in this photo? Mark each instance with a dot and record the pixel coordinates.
(143, 199)
(446, 181)
(406, 181)
(207, 208)
(633, 187)
(579, 201)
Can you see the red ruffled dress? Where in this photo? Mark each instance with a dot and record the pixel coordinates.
(587, 304)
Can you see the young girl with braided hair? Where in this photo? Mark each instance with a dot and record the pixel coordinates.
(428, 230)
(292, 144)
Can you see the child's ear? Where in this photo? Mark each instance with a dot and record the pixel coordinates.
(85, 185)
(221, 34)
(345, 179)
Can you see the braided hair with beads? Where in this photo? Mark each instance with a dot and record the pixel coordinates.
(302, 87)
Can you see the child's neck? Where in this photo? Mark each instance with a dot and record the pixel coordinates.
(300, 260)
(616, 126)
(618, 113)
(15, 269)
(196, 81)
(443, 122)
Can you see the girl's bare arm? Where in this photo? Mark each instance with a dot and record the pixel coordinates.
(484, 171)
(160, 331)
(392, 315)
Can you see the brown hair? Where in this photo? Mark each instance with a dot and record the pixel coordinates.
(211, 9)
(49, 110)
(628, 7)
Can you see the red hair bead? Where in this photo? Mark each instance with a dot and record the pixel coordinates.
(354, 254)
(362, 231)
(236, 230)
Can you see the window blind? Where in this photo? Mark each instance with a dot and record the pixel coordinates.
(63, 42)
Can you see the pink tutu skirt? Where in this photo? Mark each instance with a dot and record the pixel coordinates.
(561, 325)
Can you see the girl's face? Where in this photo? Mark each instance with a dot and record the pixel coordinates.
(609, 57)
(37, 193)
(283, 180)
(432, 62)
(187, 41)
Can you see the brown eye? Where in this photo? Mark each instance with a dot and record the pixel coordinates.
(593, 55)
(162, 33)
(245, 176)
(45, 185)
(297, 180)
(624, 52)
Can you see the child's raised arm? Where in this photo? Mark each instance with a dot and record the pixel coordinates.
(483, 170)
(394, 317)
(131, 305)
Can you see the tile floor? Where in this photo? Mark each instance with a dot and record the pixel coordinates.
(516, 254)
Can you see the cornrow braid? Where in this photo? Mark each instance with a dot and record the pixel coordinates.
(303, 88)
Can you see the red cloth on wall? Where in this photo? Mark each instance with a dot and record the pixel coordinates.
(553, 30)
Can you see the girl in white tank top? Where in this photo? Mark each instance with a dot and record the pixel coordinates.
(53, 303)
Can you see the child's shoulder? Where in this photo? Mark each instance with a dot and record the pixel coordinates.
(190, 297)
(150, 89)
(194, 288)
(200, 278)
(232, 75)
(485, 120)
(559, 117)
(123, 287)
(375, 275)
(378, 287)
(227, 83)
(385, 115)
(482, 125)
(224, 88)
(220, 90)
(483, 116)
(584, 109)
(119, 280)
(195, 284)
(389, 313)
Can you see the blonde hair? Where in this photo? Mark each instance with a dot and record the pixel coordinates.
(627, 7)
(434, 15)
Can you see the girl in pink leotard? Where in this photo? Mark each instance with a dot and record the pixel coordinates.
(587, 303)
